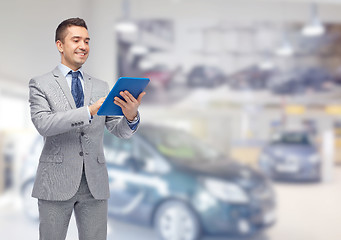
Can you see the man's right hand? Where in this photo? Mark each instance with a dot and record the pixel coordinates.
(94, 107)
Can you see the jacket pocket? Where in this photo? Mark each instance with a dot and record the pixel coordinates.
(51, 158)
(101, 159)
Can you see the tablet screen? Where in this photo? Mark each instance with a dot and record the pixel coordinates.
(134, 85)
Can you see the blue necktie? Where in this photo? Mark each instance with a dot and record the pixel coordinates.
(77, 90)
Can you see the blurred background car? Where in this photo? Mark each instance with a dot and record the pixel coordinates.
(291, 155)
(160, 75)
(205, 76)
(251, 78)
(300, 80)
(167, 179)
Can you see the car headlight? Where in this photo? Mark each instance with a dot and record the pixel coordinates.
(315, 158)
(226, 191)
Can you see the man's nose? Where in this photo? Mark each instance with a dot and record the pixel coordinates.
(82, 45)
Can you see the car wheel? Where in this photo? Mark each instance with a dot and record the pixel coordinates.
(30, 204)
(174, 220)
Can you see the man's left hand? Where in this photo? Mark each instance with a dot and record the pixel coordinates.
(130, 105)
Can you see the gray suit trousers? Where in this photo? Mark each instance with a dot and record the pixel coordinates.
(90, 214)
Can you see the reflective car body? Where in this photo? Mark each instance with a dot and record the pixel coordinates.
(160, 173)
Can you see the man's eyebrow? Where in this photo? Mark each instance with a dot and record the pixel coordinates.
(80, 37)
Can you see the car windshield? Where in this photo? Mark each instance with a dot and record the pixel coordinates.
(178, 145)
(291, 138)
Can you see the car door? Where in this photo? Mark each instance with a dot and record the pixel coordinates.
(125, 195)
(133, 180)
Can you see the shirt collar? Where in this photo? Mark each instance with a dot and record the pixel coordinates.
(65, 70)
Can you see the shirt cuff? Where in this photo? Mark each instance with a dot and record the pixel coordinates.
(133, 124)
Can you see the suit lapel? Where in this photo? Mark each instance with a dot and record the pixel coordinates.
(63, 85)
(87, 89)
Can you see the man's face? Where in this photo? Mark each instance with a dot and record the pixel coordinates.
(75, 49)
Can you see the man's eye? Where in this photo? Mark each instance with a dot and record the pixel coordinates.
(75, 40)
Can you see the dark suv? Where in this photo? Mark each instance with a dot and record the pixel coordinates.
(169, 180)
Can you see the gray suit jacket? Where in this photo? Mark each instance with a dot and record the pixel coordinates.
(70, 139)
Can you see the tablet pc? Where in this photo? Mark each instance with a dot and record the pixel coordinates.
(134, 85)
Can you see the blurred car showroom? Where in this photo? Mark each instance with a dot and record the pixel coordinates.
(240, 134)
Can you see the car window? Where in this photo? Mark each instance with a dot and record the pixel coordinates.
(148, 157)
(116, 150)
(179, 145)
(291, 138)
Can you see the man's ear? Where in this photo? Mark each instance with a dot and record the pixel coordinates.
(59, 45)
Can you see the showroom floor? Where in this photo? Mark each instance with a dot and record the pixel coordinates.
(305, 211)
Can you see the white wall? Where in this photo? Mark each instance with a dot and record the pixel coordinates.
(27, 36)
(28, 29)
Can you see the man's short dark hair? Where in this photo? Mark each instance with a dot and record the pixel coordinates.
(62, 27)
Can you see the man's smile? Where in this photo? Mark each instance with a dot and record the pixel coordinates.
(82, 54)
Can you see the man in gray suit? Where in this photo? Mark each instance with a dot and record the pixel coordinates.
(72, 174)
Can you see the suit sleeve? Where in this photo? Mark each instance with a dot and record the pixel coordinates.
(118, 125)
(49, 123)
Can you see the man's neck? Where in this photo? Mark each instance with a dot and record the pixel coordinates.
(73, 68)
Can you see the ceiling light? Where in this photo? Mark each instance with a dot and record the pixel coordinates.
(285, 49)
(146, 64)
(126, 27)
(138, 50)
(266, 65)
(314, 27)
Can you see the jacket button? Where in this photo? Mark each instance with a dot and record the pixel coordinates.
(81, 154)
(82, 133)
(72, 125)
